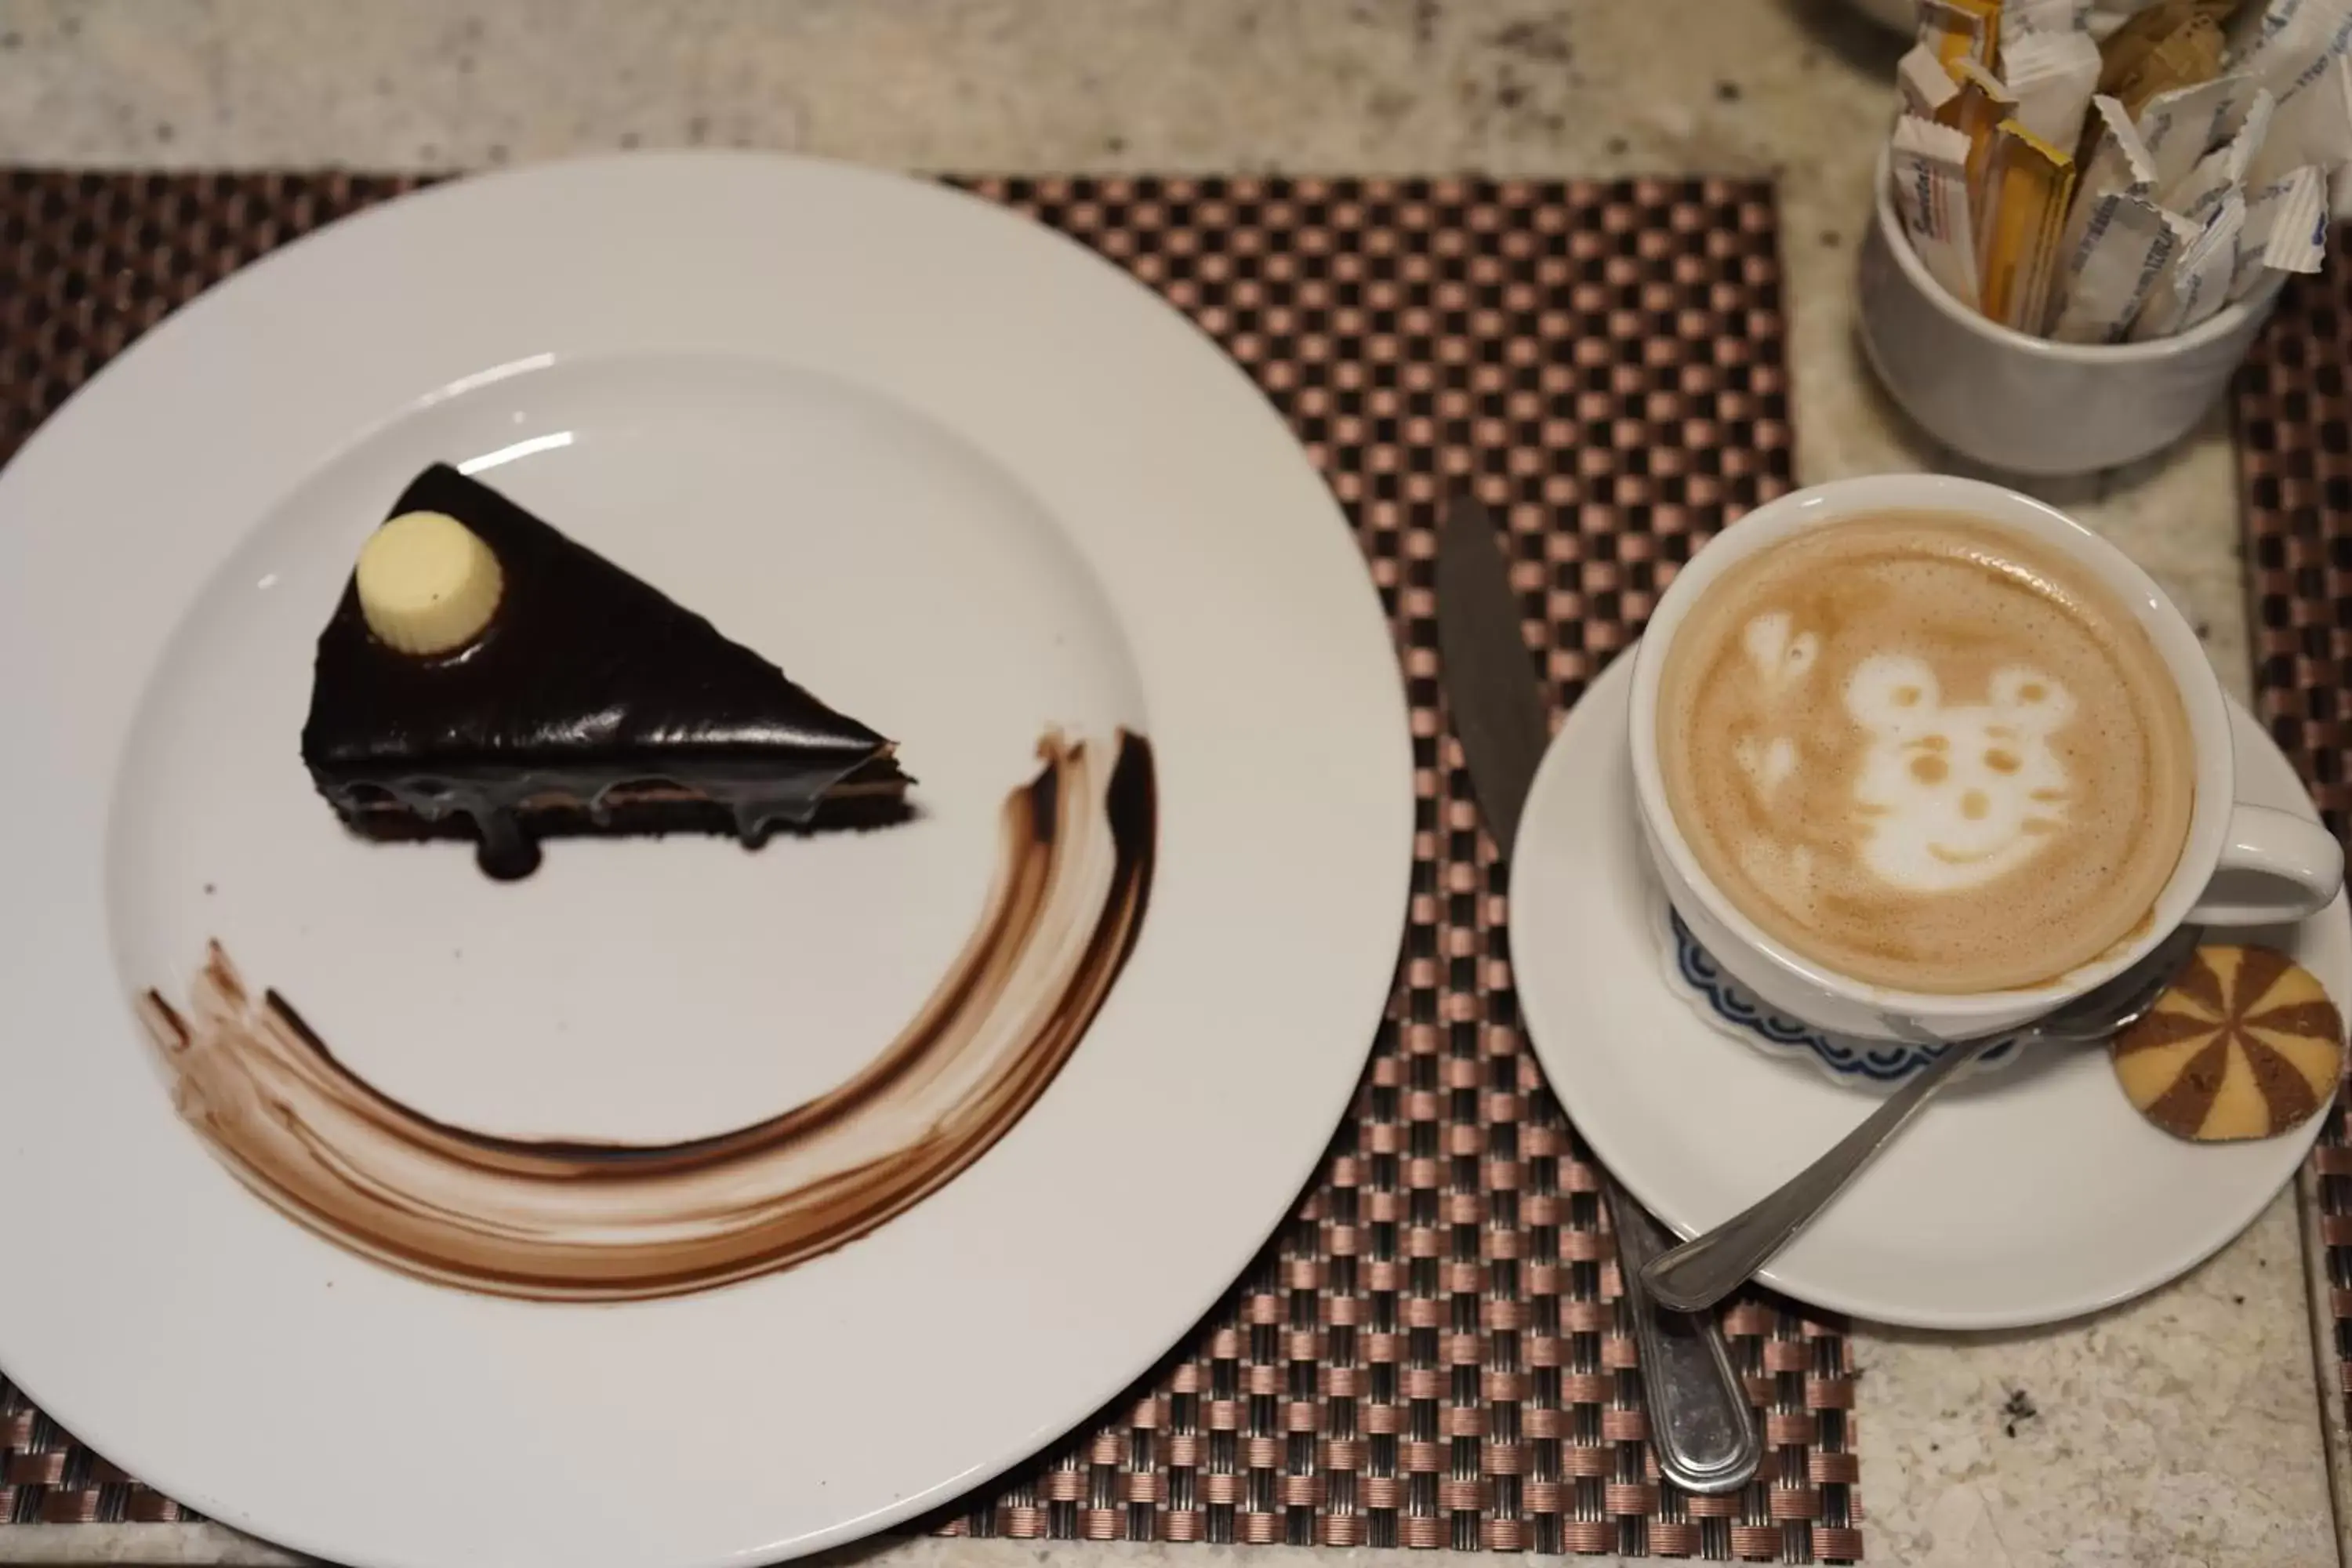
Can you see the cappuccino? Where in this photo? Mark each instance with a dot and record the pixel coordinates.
(1926, 752)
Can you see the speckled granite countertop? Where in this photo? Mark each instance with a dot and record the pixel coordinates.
(2183, 1430)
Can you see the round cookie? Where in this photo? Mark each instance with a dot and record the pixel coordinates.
(2244, 1044)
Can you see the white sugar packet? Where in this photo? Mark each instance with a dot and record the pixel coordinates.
(2054, 76)
(2255, 23)
(2181, 126)
(1930, 170)
(2316, 128)
(1925, 84)
(2198, 194)
(2197, 283)
(2127, 244)
(2019, 18)
(2119, 163)
(2288, 49)
(2118, 159)
(2287, 230)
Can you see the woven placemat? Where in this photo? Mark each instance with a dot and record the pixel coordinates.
(2295, 446)
(1431, 1352)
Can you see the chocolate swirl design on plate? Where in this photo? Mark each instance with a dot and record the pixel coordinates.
(566, 1221)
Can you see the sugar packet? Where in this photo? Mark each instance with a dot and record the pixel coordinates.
(2181, 126)
(2256, 22)
(2127, 243)
(2135, 36)
(1982, 104)
(2027, 185)
(2285, 231)
(2117, 164)
(1959, 30)
(2107, 18)
(2314, 128)
(1925, 86)
(2170, 47)
(2199, 192)
(2052, 76)
(2118, 157)
(1930, 170)
(2198, 282)
(2294, 42)
(2020, 18)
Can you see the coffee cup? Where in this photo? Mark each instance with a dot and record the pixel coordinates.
(2236, 864)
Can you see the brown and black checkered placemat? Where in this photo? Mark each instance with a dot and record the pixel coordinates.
(1432, 1352)
(2295, 446)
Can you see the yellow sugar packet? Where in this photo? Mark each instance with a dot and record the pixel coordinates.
(2190, 56)
(2027, 185)
(1960, 30)
(2126, 48)
(1980, 105)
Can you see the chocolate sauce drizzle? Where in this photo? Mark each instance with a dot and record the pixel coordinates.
(587, 1221)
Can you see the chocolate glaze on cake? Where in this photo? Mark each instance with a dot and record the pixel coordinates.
(593, 703)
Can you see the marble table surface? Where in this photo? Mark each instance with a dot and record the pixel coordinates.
(2186, 1428)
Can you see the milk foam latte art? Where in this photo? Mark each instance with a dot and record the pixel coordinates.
(1926, 752)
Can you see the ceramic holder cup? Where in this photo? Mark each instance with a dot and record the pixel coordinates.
(2027, 405)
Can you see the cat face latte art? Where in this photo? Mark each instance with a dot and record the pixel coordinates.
(1926, 753)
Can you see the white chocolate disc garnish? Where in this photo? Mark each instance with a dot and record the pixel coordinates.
(427, 584)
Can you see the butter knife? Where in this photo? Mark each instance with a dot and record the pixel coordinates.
(1700, 1421)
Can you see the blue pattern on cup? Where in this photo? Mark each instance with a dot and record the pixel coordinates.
(1870, 1061)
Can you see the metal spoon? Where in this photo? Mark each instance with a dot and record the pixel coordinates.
(1700, 1421)
(1701, 1272)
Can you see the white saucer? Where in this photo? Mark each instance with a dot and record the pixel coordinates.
(2027, 1196)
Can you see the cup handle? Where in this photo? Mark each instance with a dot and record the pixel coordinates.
(2276, 866)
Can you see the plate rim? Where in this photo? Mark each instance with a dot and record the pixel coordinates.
(1590, 725)
(1378, 725)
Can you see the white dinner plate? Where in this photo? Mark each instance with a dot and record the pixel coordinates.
(966, 481)
(2024, 1197)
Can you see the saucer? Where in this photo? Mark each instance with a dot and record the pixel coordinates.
(2025, 1196)
(1721, 1002)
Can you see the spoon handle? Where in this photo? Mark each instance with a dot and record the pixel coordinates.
(1701, 1424)
(1701, 1272)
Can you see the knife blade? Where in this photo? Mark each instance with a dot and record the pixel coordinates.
(1700, 1420)
(1498, 707)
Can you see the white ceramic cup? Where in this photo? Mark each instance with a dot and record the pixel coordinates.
(2027, 405)
(2240, 864)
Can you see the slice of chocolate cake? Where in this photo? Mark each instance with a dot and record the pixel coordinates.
(485, 676)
